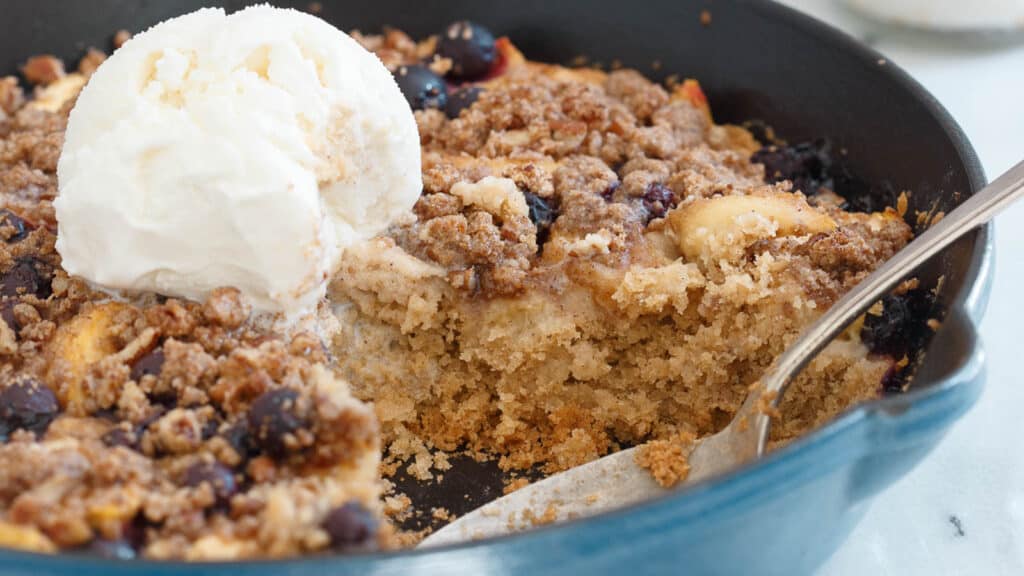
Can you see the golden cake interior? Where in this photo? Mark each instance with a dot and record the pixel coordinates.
(666, 277)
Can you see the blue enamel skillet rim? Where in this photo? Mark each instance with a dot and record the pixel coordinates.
(915, 413)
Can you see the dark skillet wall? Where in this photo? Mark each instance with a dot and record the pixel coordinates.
(751, 66)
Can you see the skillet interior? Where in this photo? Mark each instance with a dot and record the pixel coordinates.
(752, 64)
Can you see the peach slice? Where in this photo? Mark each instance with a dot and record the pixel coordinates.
(701, 224)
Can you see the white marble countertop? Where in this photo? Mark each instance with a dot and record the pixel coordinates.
(961, 511)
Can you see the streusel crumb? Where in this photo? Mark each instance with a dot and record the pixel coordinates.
(667, 459)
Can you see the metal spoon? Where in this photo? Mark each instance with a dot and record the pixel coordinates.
(616, 480)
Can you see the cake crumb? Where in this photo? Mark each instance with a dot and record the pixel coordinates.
(907, 286)
(8, 339)
(11, 96)
(766, 406)
(902, 203)
(667, 459)
(516, 484)
(442, 514)
(396, 505)
(43, 70)
(931, 217)
(120, 37)
(532, 518)
(91, 61)
(440, 65)
(406, 539)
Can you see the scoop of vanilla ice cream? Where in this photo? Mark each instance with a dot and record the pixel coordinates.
(241, 150)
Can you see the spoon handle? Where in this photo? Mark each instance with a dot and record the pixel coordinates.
(973, 212)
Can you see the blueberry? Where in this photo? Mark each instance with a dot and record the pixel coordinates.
(657, 200)
(806, 165)
(220, 478)
(272, 418)
(860, 195)
(541, 214)
(27, 404)
(471, 49)
(111, 549)
(460, 100)
(150, 363)
(901, 328)
(164, 398)
(237, 436)
(133, 532)
(351, 525)
(609, 193)
(118, 436)
(16, 223)
(892, 380)
(210, 428)
(27, 276)
(421, 87)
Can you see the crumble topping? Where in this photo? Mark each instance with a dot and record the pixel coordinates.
(593, 263)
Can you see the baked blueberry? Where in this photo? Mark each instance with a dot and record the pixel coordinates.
(541, 214)
(609, 193)
(18, 230)
(806, 165)
(27, 276)
(130, 437)
(220, 478)
(460, 100)
(421, 87)
(893, 379)
(657, 200)
(150, 363)
(210, 428)
(274, 416)
(901, 327)
(237, 435)
(118, 436)
(471, 49)
(351, 525)
(27, 404)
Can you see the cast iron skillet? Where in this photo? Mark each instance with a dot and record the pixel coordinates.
(756, 61)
